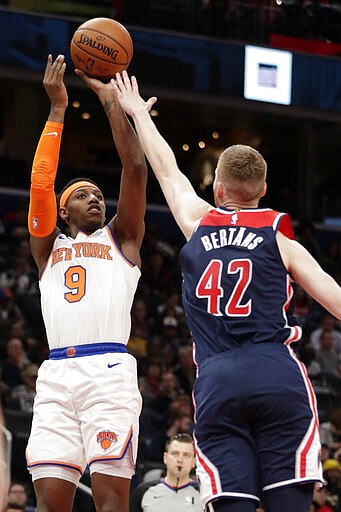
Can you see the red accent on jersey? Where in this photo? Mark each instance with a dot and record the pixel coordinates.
(250, 218)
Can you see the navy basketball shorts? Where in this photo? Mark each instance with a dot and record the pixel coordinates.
(256, 423)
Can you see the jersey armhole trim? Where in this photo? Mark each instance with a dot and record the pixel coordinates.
(50, 254)
(117, 247)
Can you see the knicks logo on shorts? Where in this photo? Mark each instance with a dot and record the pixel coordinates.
(70, 352)
(105, 438)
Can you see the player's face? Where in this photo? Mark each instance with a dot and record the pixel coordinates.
(86, 209)
(179, 458)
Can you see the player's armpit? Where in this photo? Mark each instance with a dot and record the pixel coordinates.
(42, 216)
(309, 275)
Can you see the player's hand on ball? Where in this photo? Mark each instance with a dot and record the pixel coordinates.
(53, 82)
(93, 83)
(103, 90)
(127, 93)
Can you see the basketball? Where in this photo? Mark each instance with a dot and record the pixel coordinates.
(101, 47)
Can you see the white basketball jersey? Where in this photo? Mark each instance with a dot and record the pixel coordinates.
(87, 289)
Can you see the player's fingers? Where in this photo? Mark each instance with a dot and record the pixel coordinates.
(126, 81)
(49, 61)
(119, 82)
(114, 85)
(62, 71)
(134, 84)
(56, 66)
(82, 75)
(60, 66)
(48, 66)
(151, 102)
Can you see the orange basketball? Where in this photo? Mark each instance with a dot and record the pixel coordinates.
(101, 47)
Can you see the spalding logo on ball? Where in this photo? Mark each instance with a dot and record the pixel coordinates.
(101, 47)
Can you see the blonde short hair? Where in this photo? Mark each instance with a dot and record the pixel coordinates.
(243, 170)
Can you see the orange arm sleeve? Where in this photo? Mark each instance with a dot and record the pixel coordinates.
(42, 214)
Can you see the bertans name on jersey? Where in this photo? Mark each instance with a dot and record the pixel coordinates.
(231, 236)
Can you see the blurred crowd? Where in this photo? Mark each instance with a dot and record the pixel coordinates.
(245, 20)
(160, 339)
(250, 20)
(162, 344)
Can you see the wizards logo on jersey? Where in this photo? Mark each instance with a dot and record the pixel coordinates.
(105, 438)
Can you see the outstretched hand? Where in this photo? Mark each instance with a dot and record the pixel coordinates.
(127, 93)
(94, 84)
(53, 82)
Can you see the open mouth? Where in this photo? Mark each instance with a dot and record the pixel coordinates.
(94, 209)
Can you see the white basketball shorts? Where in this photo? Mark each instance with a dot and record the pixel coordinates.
(86, 412)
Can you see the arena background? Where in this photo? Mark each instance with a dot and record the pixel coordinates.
(191, 55)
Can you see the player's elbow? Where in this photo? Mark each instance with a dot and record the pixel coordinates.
(137, 167)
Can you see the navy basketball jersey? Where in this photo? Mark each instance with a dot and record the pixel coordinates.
(236, 288)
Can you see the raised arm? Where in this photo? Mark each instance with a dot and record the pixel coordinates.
(186, 206)
(128, 223)
(310, 276)
(42, 217)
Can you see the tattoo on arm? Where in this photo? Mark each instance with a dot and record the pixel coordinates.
(107, 105)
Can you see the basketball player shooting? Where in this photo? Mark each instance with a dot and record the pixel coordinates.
(87, 405)
(256, 423)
